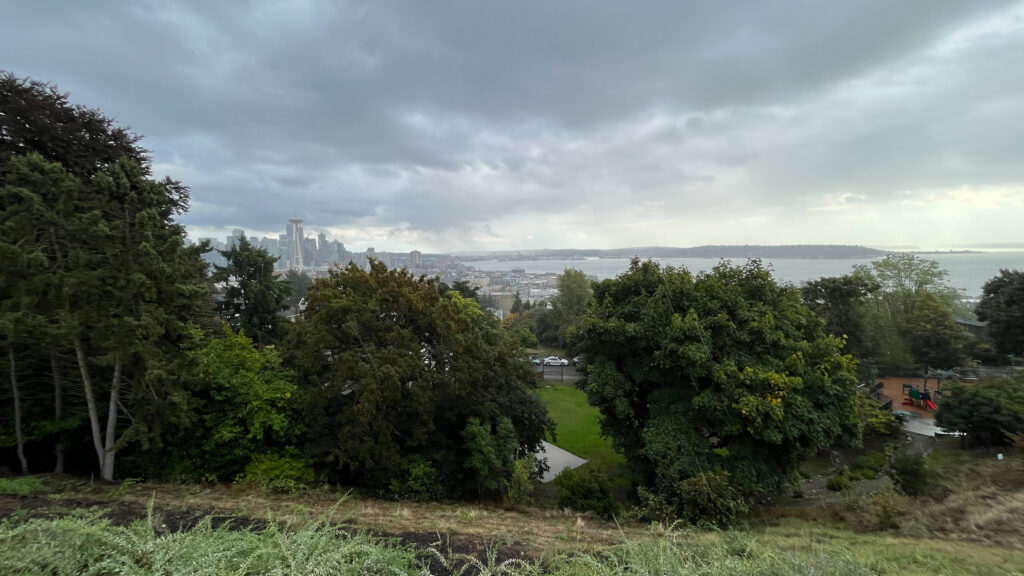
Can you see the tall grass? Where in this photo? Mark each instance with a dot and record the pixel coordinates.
(94, 546)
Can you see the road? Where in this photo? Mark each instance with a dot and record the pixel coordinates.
(559, 372)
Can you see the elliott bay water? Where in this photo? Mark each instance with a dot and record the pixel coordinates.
(967, 272)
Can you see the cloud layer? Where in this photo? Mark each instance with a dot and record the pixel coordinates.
(479, 125)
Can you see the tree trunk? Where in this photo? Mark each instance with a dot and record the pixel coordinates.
(17, 412)
(58, 410)
(90, 400)
(107, 468)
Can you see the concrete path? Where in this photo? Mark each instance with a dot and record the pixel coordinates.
(558, 460)
(919, 424)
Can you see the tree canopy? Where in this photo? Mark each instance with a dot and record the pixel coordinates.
(989, 411)
(102, 271)
(1002, 306)
(401, 379)
(897, 313)
(572, 301)
(725, 370)
(252, 297)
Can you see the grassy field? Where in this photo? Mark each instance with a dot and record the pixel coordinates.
(65, 525)
(92, 529)
(578, 430)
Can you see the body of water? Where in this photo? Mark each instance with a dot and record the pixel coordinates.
(967, 272)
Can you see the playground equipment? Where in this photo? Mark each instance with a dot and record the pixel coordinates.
(918, 397)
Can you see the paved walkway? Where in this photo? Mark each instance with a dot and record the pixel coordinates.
(920, 425)
(558, 460)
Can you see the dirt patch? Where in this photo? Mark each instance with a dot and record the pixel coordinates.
(893, 388)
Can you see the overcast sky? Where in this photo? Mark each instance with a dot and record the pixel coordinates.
(476, 125)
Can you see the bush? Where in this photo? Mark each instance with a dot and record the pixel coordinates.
(867, 466)
(909, 473)
(585, 491)
(884, 424)
(710, 498)
(420, 485)
(839, 483)
(877, 420)
(278, 473)
(880, 511)
(520, 482)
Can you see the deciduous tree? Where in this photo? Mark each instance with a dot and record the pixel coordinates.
(569, 306)
(393, 371)
(723, 370)
(988, 411)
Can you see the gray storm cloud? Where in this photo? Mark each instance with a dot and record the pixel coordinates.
(447, 125)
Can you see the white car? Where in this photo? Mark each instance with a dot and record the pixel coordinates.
(555, 361)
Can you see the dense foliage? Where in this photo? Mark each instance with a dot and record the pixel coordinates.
(1002, 306)
(399, 378)
(988, 411)
(571, 303)
(898, 313)
(723, 370)
(252, 298)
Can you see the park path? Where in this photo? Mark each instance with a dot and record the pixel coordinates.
(558, 460)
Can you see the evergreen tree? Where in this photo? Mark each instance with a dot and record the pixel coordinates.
(1002, 306)
(252, 297)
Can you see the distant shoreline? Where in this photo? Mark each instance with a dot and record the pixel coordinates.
(926, 252)
(794, 252)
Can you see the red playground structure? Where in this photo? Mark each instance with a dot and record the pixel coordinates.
(918, 397)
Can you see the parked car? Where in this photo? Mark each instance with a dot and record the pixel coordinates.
(555, 361)
(576, 360)
(534, 360)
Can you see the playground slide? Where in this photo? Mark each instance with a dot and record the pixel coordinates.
(930, 405)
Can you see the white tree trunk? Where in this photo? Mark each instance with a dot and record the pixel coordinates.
(17, 412)
(90, 400)
(58, 409)
(107, 468)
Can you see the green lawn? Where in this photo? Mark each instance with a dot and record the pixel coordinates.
(578, 430)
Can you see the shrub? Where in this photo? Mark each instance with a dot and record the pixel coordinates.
(877, 420)
(420, 485)
(520, 482)
(867, 466)
(884, 424)
(839, 483)
(278, 473)
(880, 511)
(587, 490)
(709, 498)
(909, 473)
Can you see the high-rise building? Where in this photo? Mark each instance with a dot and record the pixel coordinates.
(295, 233)
(414, 259)
(270, 245)
(232, 240)
(323, 249)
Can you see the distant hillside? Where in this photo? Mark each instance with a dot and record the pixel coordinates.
(802, 251)
(796, 251)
